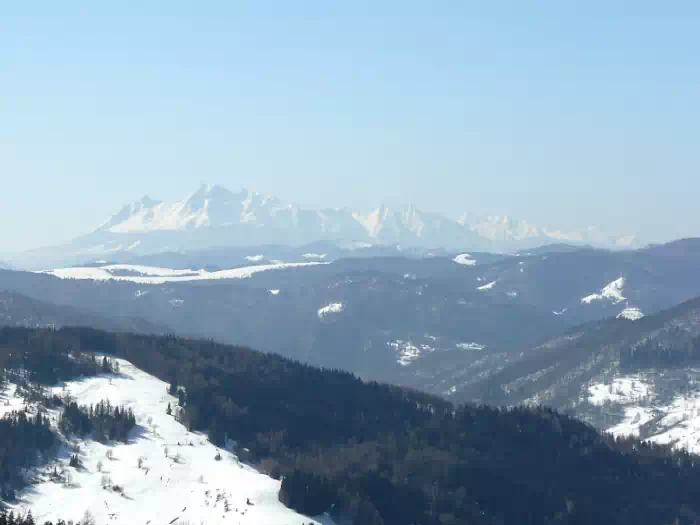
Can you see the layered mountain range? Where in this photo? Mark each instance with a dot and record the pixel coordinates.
(214, 216)
(602, 333)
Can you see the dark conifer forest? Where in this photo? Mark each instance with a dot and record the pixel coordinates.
(381, 454)
(106, 422)
(22, 438)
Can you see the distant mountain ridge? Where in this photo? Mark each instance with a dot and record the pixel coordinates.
(20, 310)
(214, 216)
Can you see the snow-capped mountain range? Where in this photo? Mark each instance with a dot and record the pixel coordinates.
(215, 216)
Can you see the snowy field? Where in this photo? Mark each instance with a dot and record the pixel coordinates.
(487, 286)
(471, 346)
(675, 423)
(333, 308)
(633, 314)
(465, 259)
(154, 275)
(612, 292)
(179, 479)
(408, 352)
(622, 390)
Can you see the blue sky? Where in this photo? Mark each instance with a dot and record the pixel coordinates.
(566, 115)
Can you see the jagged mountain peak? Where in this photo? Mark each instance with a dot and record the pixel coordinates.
(213, 215)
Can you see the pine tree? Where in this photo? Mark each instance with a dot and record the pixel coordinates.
(181, 397)
(169, 410)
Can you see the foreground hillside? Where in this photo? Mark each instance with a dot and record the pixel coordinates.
(369, 452)
(163, 473)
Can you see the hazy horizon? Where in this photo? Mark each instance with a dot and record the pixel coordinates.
(564, 116)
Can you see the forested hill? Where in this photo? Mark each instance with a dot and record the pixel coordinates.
(384, 455)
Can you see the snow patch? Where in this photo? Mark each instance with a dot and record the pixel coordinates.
(487, 286)
(622, 390)
(633, 314)
(465, 259)
(274, 292)
(333, 308)
(153, 275)
(315, 255)
(612, 292)
(254, 258)
(470, 346)
(407, 352)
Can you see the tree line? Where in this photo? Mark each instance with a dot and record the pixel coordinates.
(673, 351)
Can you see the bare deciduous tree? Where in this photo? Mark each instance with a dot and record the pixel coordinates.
(87, 519)
(105, 481)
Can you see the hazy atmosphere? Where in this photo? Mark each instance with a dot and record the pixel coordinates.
(349, 263)
(564, 116)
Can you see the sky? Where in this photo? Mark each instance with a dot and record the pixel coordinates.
(563, 113)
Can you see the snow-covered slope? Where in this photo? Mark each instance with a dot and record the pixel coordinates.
(631, 313)
(153, 275)
(658, 417)
(179, 479)
(333, 308)
(465, 259)
(612, 292)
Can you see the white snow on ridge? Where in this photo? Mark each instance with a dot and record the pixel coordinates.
(470, 346)
(180, 479)
(332, 308)
(465, 259)
(612, 292)
(147, 270)
(274, 292)
(487, 286)
(152, 275)
(633, 314)
(315, 255)
(254, 258)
